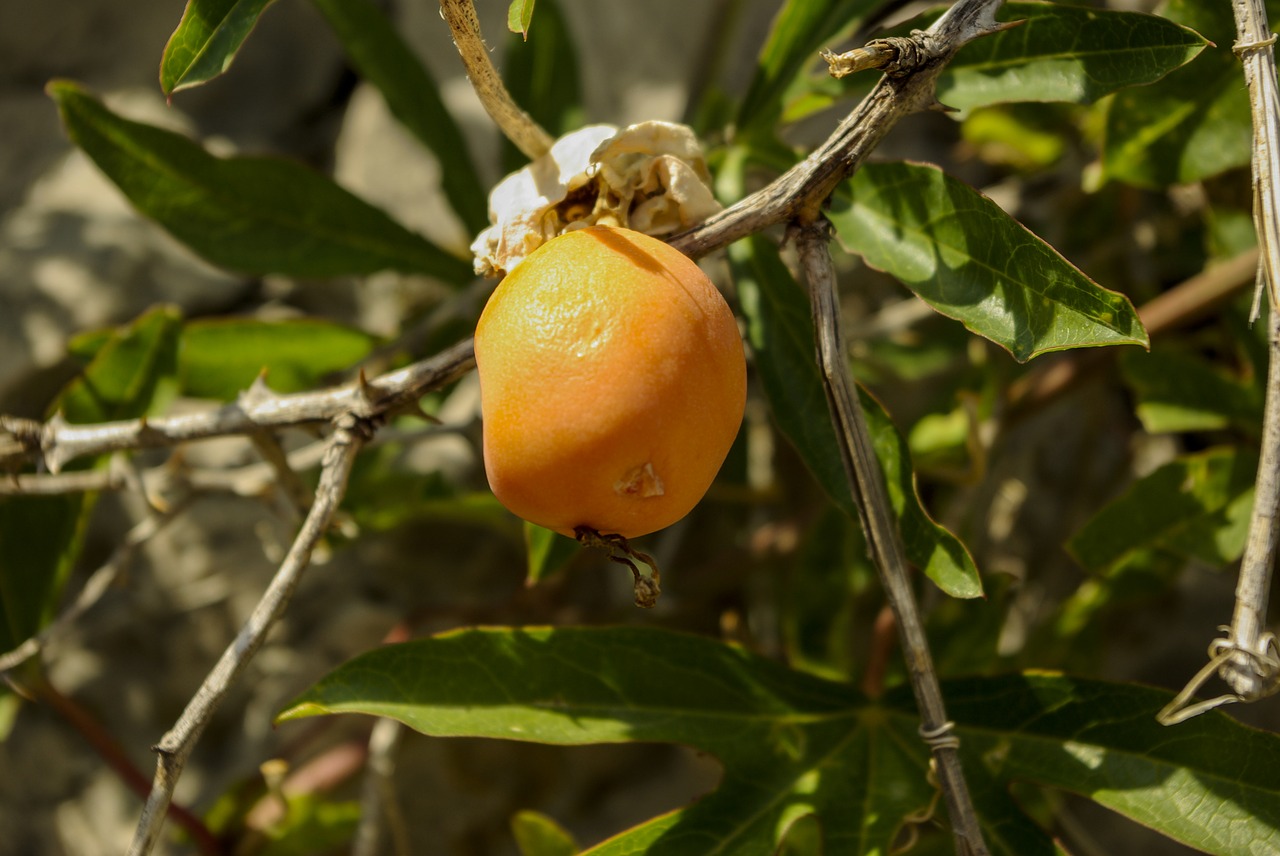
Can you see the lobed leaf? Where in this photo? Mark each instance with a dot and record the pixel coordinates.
(247, 214)
(781, 335)
(1197, 506)
(206, 41)
(384, 59)
(968, 259)
(794, 746)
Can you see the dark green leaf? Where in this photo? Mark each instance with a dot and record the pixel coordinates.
(818, 612)
(1196, 506)
(1065, 53)
(253, 215)
(547, 552)
(781, 335)
(384, 59)
(1193, 124)
(538, 835)
(221, 357)
(1182, 392)
(801, 29)
(520, 16)
(793, 745)
(543, 77)
(206, 41)
(40, 536)
(971, 261)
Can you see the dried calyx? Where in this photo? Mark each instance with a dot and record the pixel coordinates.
(650, 177)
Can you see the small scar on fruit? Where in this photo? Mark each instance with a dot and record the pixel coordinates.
(646, 589)
(641, 481)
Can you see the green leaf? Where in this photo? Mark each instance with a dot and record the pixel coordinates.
(801, 29)
(206, 41)
(1191, 125)
(781, 334)
(247, 214)
(1196, 506)
(538, 835)
(133, 367)
(520, 17)
(818, 610)
(384, 59)
(1182, 392)
(222, 357)
(543, 77)
(547, 551)
(1065, 53)
(971, 261)
(792, 745)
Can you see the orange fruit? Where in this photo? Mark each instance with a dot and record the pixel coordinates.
(612, 384)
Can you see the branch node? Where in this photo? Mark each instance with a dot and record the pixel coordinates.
(1240, 49)
(257, 394)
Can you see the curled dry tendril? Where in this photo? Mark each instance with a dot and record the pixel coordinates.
(647, 588)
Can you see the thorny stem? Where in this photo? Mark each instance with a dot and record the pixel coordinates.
(1248, 659)
(866, 481)
(796, 196)
(175, 747)
(518, 126)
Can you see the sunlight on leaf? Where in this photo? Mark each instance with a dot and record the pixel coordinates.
(971, 261)
(793, 745)
(206, 41)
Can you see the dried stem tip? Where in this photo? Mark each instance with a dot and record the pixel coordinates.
(518, 126)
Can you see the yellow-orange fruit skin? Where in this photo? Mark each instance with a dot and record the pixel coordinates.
(612, 384)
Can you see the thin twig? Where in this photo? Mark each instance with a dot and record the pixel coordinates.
(58, 442)
(378, 801)
(866, 481)
(175, 747)
(518, 126)
(1253, 674)
(1248, 658)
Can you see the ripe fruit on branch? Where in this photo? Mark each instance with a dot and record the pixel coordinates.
(612, 384)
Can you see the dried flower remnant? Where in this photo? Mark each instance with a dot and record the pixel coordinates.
(650, 177)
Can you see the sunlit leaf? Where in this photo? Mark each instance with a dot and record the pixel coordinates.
(1181, 392)
(206, 41)
(964, 256)
(221, 357)
(1196, 506)
(383, 58)
(538, 835)
(1065, 53)
(793, 745)
(1191, 125)
(780, 331)
(248, 214)
(520, 17)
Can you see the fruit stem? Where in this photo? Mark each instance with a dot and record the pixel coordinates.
(646, 588)
(518, 126)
